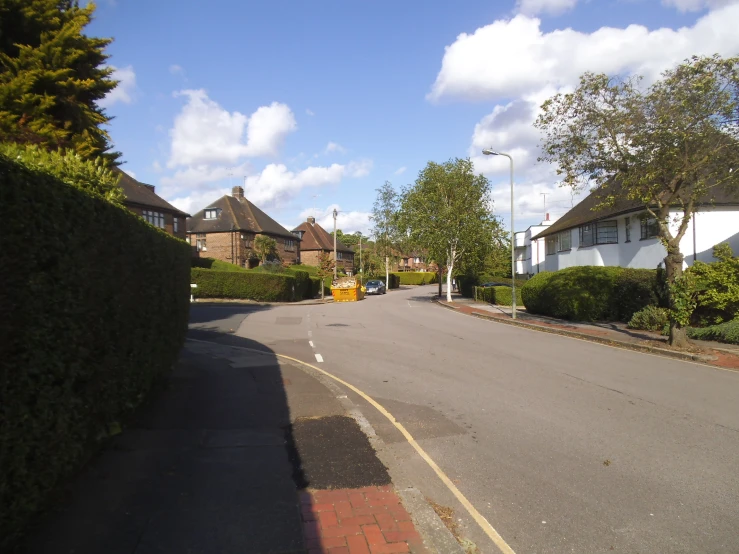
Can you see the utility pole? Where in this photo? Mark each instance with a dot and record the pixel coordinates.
(335, 259)
(544, 194)
(361, 270)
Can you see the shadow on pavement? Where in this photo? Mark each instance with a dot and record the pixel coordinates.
(208, 465)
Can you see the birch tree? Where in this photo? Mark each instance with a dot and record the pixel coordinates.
(385, 223)
(670, 146)
(445, 212)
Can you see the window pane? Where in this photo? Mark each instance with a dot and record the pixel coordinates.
(565, 240)
(606, 232)
(551, 246)
(587, 237)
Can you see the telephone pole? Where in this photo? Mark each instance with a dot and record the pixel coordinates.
(544, 194)
(335, 260)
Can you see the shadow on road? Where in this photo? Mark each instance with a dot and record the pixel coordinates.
(208, 465)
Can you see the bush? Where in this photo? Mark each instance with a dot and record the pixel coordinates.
(394, 280)
(95, 307)
(218, 265)
(416, 277)
(466, 283)
(717, 287)
(303, 285)
(501, 296)
(265, 287)
(724, 332)
(649, 318)
(590, 293)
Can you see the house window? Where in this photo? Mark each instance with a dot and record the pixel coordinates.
(551, 245)
(200, 244)
(339, 255)
(289, 244)
(649, 228)
(155, 218)
(564, 241)
(600, 232)
(176, 225)
(627, 227)
(416, 260)
(211, 213)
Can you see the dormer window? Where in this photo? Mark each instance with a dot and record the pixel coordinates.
(211, 213)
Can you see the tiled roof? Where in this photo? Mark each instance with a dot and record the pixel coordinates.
(238, 214)
(144, 195)
(586, 212)
(315, 237)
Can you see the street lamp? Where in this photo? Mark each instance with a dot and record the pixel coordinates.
(335, 261)
(491, 152)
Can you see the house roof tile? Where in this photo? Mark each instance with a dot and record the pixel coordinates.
(238, 214)
(315, 237)
(142, 194)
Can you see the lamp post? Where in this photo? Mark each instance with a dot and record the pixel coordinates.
(491, 152)
(335, 261)
(361, 270)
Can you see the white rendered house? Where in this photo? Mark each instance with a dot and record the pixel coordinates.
(625, 235)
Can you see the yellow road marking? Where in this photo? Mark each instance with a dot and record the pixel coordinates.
(477, 516)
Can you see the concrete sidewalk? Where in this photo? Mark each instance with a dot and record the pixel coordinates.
(216, 464)
(613, 333)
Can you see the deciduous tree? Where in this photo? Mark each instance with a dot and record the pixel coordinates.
(385, 223)
(266, 248)
(669, 146)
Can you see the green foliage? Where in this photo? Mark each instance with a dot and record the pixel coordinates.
(52, 77)
(416, 277)
(590, 293)
(250, 285)
(384, 219)
(501, 296)
(724, 332)
(218, 265)
(717, 287)
(467, 283)
(682, 299)
(95, 307)
(649, 318)
(266, 248)
(394, 280)
(68, 166)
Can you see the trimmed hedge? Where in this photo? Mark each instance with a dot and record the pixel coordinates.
(466, 283)
(218, 265)
(724, 332)
(265, 287)
(591, 293)
(501, 296)
(650, 318)
(416, 277)
(94, 305)
(394, 280)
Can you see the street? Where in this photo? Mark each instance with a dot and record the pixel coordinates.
(562, 445)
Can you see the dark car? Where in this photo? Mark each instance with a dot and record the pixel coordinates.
(375, 287)
(488, 285)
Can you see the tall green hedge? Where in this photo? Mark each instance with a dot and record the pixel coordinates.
(218, 265)
(394, 280)
(416, 277)
(590, 293)
(94, 305)
(265, 287)
(466, 283)
(501, 296)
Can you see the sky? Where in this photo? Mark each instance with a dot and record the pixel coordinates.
(312, 105)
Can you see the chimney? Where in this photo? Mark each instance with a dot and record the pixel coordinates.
(547, 217)
(237, 192)
(149, 186)
(312, 220)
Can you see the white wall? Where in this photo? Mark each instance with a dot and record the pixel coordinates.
(712, 226)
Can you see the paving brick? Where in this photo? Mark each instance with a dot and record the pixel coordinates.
(357, 545)
(386, 522)
(399, 513)
(310, 529)
(306, 498)
(309, 516)
(341, 531)
(344, 510)
(316, 551)
(332, 542)
(339, 550)
(323, 507)
(367, 511)
(328, 519)
(398, 536)
(330, 496)
(389, 498)
(357, 500)
(374, 535)
(390, 548)
(359, 520)
(406, 526)
(312, 543)
(385, 488)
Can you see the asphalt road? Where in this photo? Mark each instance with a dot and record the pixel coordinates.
(563, 445)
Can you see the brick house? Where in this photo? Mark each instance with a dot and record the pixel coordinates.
(414, 261)
(315, 240)
(143, 201)
(226, 229)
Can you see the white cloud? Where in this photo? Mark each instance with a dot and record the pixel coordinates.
(205, 133)
(334, 147)
(536, 59)
(131, 173)
(125, 90)
(552, 7)
(309, 111)
(400, 170)
(696, 5)
(156, 166)
(276, 183)
(359, 168)
(175, 69)
(198, 200)
(348, 221)
(196, 176)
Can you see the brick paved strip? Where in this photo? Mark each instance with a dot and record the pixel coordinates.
(370, 520)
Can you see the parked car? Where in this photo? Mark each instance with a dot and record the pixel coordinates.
(375, 287)
(488, 285)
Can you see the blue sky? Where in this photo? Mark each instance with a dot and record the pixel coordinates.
(314, 104)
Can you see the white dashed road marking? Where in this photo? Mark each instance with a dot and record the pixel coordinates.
(319, 358)
(311, 344)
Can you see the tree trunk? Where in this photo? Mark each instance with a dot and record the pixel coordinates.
(440, 281)
(449, 282)
(387, 273)
(673, 271)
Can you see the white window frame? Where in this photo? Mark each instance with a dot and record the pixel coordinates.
(564, 241)
(175, 224)
(210, 213)
(155, 218)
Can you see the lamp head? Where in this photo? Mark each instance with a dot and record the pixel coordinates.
(490, 152)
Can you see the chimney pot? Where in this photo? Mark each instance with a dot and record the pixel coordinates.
(237, 192)
(312, 220)
(547, 219)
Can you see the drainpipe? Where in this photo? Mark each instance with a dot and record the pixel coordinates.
(694, 239)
